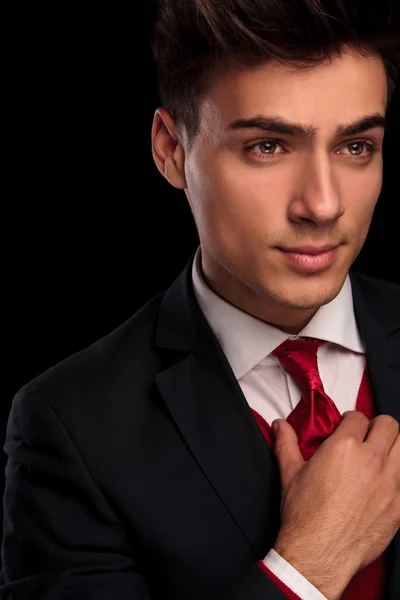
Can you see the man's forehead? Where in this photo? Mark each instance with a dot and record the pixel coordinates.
(301, 110)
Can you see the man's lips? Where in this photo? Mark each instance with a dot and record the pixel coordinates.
(309, 259)
(310, 249)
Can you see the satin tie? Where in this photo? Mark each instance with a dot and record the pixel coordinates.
(315, 417)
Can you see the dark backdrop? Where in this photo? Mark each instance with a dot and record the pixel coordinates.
(92, 230)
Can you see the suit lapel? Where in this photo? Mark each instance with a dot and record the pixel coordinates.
(208, 406)
(379, 321)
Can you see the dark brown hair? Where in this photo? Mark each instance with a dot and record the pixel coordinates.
(192, 38)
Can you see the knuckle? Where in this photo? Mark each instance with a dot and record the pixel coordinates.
(360, 415)
(345, 444)
(279, 446)
(356, 414)
(388, 419)
(374, 459)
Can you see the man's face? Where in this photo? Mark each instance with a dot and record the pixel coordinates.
(254, 192)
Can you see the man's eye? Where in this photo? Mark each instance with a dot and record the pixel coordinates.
(361, 150)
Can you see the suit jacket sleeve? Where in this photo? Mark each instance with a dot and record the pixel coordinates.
(62, 540)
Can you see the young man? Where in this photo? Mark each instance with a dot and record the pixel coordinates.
(145, 466)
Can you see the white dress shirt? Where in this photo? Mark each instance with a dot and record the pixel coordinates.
(247, 343)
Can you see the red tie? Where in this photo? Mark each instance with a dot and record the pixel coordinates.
(315, 417)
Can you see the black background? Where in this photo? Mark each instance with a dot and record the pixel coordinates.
(91, 229)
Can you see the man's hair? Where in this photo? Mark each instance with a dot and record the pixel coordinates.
(192, 39)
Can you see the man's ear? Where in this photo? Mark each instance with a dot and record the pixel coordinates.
(167, 151)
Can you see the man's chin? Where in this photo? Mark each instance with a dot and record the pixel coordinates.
(307, 294)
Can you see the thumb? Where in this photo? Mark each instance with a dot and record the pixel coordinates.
(287, 452)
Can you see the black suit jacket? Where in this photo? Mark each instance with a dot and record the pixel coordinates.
(136, 469)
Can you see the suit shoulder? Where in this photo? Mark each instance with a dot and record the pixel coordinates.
(389, 288)
(128, 344)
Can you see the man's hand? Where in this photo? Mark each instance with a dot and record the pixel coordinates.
(341, 509)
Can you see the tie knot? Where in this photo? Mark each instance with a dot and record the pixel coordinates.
(299, 358)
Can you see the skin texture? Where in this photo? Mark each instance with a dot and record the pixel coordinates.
(287, 194)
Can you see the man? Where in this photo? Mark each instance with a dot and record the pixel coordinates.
(145, 466)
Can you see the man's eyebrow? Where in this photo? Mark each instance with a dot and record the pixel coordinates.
(283, 127)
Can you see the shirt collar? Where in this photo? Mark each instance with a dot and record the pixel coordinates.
(247, 340)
